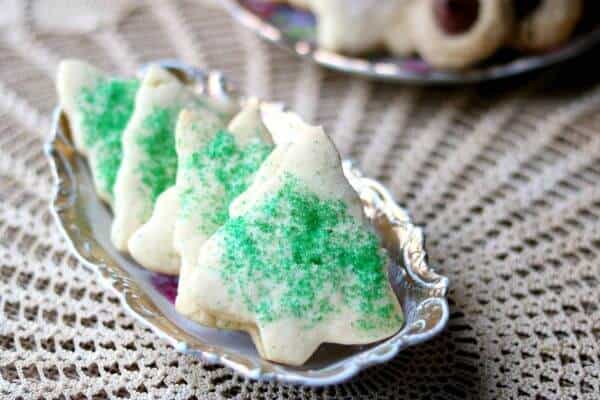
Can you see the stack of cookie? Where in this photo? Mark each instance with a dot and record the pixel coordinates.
(250, 207)
(445, 33)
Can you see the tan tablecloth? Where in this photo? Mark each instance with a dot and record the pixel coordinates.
(504, 177)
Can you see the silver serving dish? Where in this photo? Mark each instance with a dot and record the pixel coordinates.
(85, 222)
(293, 29)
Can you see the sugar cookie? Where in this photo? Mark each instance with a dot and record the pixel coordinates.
(296, 265)
(215, 164)
(545, 24)
(98, 107)
(215, 168)
(356, 27)
(444, 45)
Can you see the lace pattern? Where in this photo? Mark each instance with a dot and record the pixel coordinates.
(503, 176)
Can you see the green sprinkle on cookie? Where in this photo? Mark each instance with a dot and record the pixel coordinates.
(106, 108)
(296, 255)
(159, 166)
(227, 163)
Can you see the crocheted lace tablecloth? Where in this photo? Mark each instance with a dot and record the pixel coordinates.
(503, 176)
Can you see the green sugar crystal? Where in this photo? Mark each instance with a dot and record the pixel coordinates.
(157, 140)
(294, 254)
(106, 108)
(228, 164)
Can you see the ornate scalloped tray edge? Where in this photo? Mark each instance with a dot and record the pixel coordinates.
(84, 221)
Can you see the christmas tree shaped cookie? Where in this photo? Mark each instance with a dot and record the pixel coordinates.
(149, 164)
(215, 164)
(98, 107)
(214, 170)
(296, 263)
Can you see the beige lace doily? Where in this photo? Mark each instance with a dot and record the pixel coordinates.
(503, 176)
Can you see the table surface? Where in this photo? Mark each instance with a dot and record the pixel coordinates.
(504, 177)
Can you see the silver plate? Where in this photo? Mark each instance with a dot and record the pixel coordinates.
(85, 222)
(283, 30)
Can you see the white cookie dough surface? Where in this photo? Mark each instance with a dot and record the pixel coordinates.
(296, 265)
(152, 244)
(548, 25)
(358, 26)
(149, 163)
(98, 108)
(215, 164)
(215, 167)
